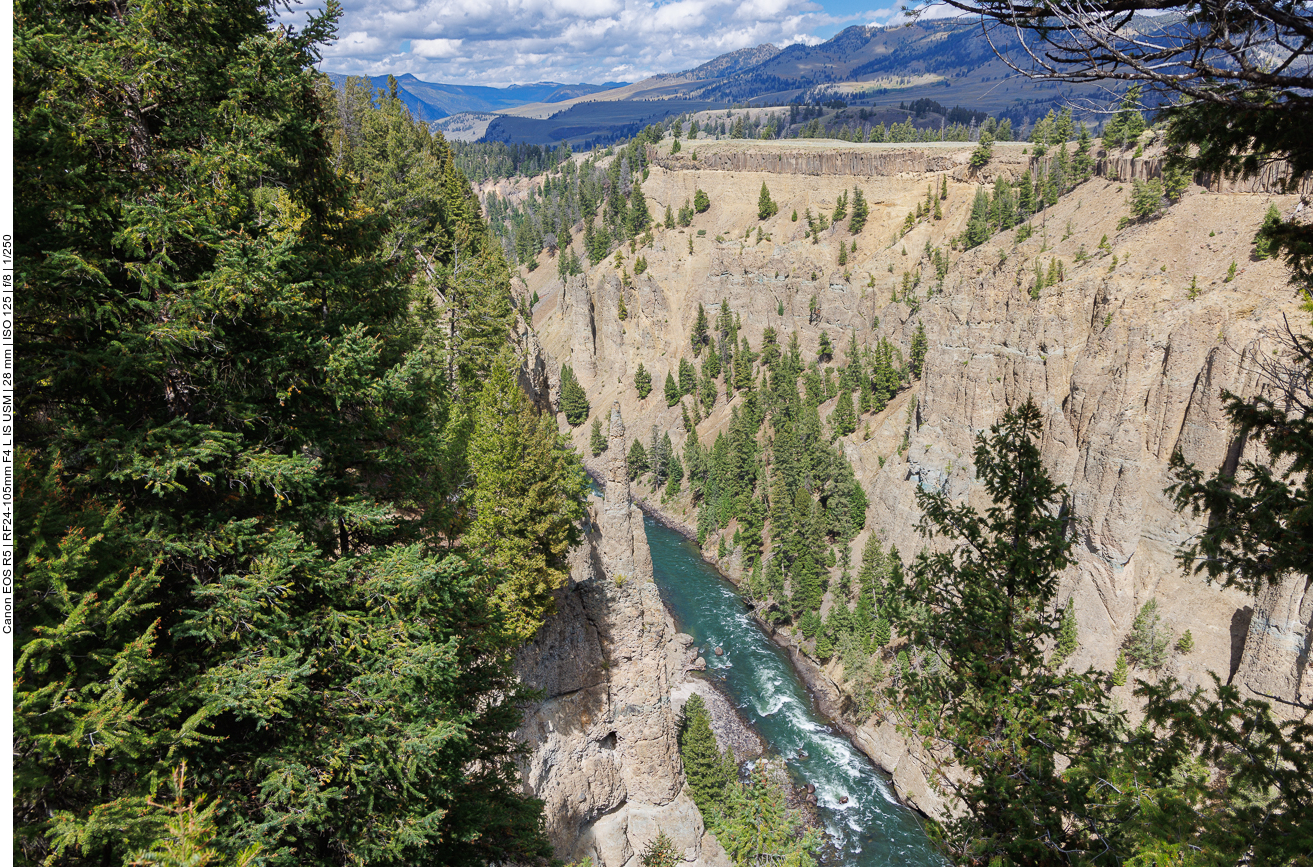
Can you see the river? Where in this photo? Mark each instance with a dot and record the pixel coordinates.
(872, 829)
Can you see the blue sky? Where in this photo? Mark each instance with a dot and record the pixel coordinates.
(500, 42)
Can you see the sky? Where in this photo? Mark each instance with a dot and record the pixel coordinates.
(502, 42)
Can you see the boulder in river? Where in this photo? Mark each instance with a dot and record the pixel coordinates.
(843, 799)
(811, 789)
(720, 651)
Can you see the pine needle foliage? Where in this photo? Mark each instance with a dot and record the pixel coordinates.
(1011, 720)
(246, 389)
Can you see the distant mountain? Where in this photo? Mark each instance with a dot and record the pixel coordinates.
(940, 64)
(893, 57)
(734, 62)
(430, 101)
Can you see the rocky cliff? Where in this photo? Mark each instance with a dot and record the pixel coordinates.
(1127, 355)
(602, 743)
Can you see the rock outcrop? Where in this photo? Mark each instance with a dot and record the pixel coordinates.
(1275, 664)
(603, 753)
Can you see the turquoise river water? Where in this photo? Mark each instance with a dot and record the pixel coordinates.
(872, 829)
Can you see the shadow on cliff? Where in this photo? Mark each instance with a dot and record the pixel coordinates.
(1239, 630)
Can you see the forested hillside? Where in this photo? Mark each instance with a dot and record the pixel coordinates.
(282, 511)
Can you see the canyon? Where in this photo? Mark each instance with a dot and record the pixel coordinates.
(1127, 356)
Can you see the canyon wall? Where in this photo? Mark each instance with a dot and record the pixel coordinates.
(1127, 356)
(602, 752)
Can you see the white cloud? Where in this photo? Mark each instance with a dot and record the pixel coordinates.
(436, 48)
(500, 42)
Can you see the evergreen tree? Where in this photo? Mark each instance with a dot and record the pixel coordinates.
(699, 338)
(985, 604)
(1068, 636)
(978, 230)
(1263, 239)
(883, 633)
(984, 151)
(701, 201)
(528, 501)
(674, 471)
(642, 382)
(861, 211)
(1146, 644)
(661, 852)
(639, 217)
(1025, 197)
(824, 349)
(596, 442)
(574, 400)
(688, 377)
(766, 208)
(708, 770)
(843, 420)
(637, 460)
(916, 359)
(272, 422)
(672, 389)
(1082, 164)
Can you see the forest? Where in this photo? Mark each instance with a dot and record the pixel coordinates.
(283, 511)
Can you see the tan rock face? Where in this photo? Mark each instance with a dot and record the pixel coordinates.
(1125, 358)
(603, 752)
(1275, 661)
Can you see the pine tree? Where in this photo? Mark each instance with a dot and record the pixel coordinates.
(843, 420)
(1082, 164)
(824, 349)
(1185, 643)
(984, 151)
(1263, 245)
(642, 381)
(672, 389)
(596, 441)
(708, 770)
(701, 201)
(1121, 669)
(984, 604)
(574, 400)
(688, 376)
(637, 460)
(1025, 197)
(661, 852)
(860, 212)
(638, 216)
(1068, 637)
(978, 230)
(1146, 645)
(916, 357)
(883, 633)
(527, 502)
(699, 338)
(766, 208)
